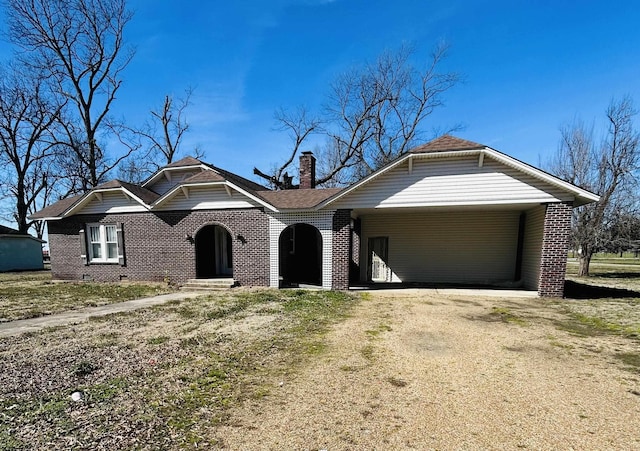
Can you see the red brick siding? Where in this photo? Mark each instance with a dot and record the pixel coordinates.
(156, 246)
(341, 249)
(555, 244)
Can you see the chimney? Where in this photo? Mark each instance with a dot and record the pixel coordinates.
(307, 170)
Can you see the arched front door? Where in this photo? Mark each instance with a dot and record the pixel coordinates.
(300, 251)
(214, 252)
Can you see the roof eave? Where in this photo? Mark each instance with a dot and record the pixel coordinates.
(87, 198)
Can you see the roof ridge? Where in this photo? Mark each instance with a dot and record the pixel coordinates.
(446, 143)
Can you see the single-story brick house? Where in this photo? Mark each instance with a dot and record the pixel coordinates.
(19, 251)
(448, 212)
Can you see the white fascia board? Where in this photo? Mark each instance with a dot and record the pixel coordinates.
(55, 218)
(251, 196)
(162, 171)
(178, 188)
(542, 175)
(87, 198)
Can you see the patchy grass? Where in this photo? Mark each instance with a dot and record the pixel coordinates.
(631, 359)
(33, 294)
(158, 378)
(606, 302)
(507, 316)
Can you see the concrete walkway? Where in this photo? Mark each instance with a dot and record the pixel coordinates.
(11, 328)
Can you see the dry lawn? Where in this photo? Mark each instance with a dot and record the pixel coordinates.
(411, 370)
(296, 369)
(33, 294)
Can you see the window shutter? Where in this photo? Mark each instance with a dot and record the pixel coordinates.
(120, 236)
(83, 246)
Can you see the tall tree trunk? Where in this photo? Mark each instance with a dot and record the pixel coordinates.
(585, 261)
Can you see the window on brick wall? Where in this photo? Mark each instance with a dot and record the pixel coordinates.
(103, 243)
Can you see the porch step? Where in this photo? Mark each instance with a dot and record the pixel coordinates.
(208, 284)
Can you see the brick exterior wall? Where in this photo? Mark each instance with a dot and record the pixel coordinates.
(341, 249)
(555, 244)
(157, 248)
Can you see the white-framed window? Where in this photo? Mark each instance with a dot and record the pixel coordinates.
(103, 243)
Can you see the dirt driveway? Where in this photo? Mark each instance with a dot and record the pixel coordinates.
(415, 371)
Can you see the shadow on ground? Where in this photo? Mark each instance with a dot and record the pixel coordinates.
(576, 290)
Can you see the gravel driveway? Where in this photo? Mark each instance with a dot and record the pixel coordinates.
(411, 370)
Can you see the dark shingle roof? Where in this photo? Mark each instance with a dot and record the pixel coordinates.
(238, 180)
(186, 161)
(8, 231)
(447, 143)
(144, 194)
(297, 198)
(204, 176)
(56, 209)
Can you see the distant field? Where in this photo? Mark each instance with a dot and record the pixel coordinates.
(622, 273)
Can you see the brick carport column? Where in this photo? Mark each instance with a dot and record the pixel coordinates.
(341, 249)
(555, 245)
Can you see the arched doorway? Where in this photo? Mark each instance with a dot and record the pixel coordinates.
(300, 251)
(214, 252)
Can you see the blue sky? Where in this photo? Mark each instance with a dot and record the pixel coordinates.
(529, 67)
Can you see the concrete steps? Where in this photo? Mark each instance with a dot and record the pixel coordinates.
(208, 284)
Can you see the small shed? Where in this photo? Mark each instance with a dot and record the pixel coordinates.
(18, 251)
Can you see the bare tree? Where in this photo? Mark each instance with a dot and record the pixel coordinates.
(168, 126)
(27, 146)
(80, 45)
(160, 138)
(608, 169)
(299, 125)
(372, 115)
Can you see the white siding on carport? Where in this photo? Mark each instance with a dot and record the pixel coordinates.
(532, 248)
(450, 182)
(465, 247)
(208, 198)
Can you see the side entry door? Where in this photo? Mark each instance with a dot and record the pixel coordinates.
(378, 258)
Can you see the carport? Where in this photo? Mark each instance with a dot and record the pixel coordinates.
(457, 213)
(464, 246)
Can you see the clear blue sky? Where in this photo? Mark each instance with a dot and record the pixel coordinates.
(527, 69)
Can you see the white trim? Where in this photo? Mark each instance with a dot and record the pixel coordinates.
(578, 192)
(226, 184)
(98, 194)
(102, 230)
(321, 220)
(166, 172)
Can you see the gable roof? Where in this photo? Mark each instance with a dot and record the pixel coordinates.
(445, 146)
(448, 146)
(146, 195)
(446, 143)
